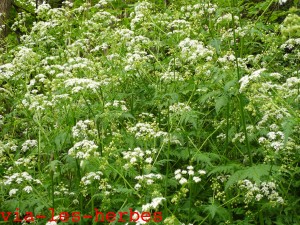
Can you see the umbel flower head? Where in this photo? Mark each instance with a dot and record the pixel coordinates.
(83, 150)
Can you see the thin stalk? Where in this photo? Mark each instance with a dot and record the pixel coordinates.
(240, 97)
(227, 127)
(168, 151)
(190, 199)
(271, 2)
(92, 201)
(52, 188)
(39, 151)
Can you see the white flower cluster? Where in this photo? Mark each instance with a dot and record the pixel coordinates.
(245, 80)
(169, 76)
(292, 81)
(104, 18)
(229, 57)
(138, 219)
(240, 136)
(80, 84)
(227, 18)
(291, 43)
(68, 3)
(77, 62)
(281, 2)
(19, 179)
(271, 113)
(198, 10)
(274, 140)
(90, 177)
(124, 34)
(7, 148)
(256, 192)
(153, 205)
(84, 129)
(136, 59)
(62, 190)
(179, 26)
(36, 102)
(146, 130)
(84, 150)
(42, 9)
(28, 162)
(20, 22)
(25, 57)
(6, 71)
(137, 155)
(179, 108)
(101, 3)
(193, 50)
(106, 188)
(147, 179)
(138, 42)
(183, 175)
(28, 144)
(77, 46)
(116, 104)
(39, 78)
(141, 10)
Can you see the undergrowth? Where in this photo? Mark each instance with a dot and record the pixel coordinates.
(189, 109)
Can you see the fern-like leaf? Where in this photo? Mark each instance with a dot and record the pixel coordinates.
(255, 173)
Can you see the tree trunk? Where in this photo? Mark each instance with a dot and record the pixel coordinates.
(4, 13)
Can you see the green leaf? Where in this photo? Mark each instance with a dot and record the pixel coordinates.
(212, 209)
(255, 173)
(215, 209)
(225, 169)
(221, 102)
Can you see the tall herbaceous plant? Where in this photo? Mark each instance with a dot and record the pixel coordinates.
(157, 112)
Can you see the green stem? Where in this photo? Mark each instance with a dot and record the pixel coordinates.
(52, 187)
(190, 199)
(227, 128)
(240, 97)
(168, 152)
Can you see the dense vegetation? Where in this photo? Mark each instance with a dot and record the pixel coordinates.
(188, 108)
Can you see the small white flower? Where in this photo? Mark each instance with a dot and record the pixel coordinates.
(281, 2)
(156, 202)
(183, 181)
(28, 189)
(258, 197)
(202, 172)
(149, 181)
(184, 172)
(191, 172)
(51, 223)
(177, 171)
(137, 186)
(196, 179)
(149, 160)
(178, 176)
(13, 191)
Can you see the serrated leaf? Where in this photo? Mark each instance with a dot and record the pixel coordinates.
(225, 169)
(221, 102)
(212, 209)
(254, 173)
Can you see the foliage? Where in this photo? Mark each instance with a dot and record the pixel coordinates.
(186, 108)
